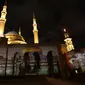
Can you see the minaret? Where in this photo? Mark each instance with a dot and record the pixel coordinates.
(35, 30)
(19, 31)
(3, 19)
(68, 41)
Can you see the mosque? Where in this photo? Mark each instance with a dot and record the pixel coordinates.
(17, 43)
(12, 36)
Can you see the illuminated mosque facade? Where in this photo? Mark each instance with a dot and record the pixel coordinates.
(7, 53)
(12, 36)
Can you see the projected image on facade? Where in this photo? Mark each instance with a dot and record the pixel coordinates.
(76, 61)
(23, 62)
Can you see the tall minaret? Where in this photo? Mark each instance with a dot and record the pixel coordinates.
(35, 30)
(19, 31)
(3, 19)
(68, 41)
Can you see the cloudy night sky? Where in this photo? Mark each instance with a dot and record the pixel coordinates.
(51, 16)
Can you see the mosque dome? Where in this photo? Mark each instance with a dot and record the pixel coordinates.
(12, 33)
(14, 38)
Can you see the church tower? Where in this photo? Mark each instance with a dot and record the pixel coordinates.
(35, 30)
(68, 41)
(3, 19)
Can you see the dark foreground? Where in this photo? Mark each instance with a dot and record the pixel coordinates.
(36, 80)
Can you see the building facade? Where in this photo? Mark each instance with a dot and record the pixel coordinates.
(7, 55)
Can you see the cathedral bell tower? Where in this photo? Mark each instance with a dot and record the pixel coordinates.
(68, 41)
(3, 19)
(35, 30)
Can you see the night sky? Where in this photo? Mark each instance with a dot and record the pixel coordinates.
(51, 15)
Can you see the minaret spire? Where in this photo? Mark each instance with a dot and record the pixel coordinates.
(19, 31)
(35, 30)
(3, 12)
(34, 22)
(66, 35)
(5, 4)
(33, 15)
(3, 19)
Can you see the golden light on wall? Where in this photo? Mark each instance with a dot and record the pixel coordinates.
(31, 49)
(63, 48)
(69, 44)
